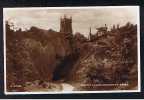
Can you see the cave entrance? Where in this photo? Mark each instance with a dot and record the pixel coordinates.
(63, 70)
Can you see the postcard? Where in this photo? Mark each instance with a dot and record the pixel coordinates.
(64, 50)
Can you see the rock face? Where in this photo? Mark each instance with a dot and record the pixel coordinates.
(108, 60)
(51, 54)
(35, 54)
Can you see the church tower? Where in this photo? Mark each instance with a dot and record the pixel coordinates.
(66, 25)
(66, 28)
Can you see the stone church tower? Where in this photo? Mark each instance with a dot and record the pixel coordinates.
(66, 25)
(66, 28)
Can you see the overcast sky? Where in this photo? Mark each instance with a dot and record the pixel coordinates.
(46, 18)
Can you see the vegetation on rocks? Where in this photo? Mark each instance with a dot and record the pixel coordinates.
(110, 57)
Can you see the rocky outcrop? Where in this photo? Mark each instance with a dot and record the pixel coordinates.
(36, 53)
(108, 60)
(51, 53)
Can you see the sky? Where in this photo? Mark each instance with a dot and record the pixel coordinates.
(82, 18)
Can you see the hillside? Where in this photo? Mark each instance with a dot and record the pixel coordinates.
(42, 57)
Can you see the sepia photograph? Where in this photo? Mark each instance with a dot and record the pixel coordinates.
(61, 50)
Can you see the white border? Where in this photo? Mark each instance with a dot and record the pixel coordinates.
(70, 92)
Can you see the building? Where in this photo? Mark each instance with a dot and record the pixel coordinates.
(66, 25)
(66, 29)
(102, 30)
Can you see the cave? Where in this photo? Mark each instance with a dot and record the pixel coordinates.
(63, 70)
